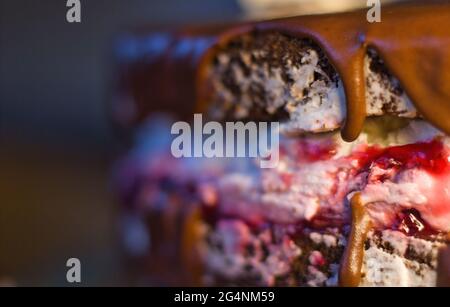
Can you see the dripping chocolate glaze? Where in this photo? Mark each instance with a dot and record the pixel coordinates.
(351, 263)
(412, 39)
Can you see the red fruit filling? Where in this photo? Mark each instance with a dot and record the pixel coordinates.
(411, 223)
(429, 156)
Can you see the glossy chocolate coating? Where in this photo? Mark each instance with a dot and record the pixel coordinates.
(351, 263)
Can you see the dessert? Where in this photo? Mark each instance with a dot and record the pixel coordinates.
(361, 194)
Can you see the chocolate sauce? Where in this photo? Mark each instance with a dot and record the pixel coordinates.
(351, 263)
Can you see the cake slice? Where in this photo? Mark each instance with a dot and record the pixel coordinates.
(360, 196)
(383, 196)
(294, 225)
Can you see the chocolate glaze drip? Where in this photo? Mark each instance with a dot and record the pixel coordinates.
(413, 41)
(351, 263)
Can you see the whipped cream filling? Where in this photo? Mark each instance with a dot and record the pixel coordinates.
(235, 249)
(235, 252)
(313, 100)
(412, 189)
(317, 175)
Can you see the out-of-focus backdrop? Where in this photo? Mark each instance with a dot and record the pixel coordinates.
(56, 142)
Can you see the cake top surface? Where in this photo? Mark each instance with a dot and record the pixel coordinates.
(413, 40)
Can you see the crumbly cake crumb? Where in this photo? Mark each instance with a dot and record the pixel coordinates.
(262, 76)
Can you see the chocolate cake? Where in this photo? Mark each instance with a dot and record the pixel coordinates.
(360, 196)
(271, 76)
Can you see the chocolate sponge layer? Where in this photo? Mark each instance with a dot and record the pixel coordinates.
(312, 258)
(271, 76)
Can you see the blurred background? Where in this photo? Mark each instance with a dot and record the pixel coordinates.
(56, 141)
